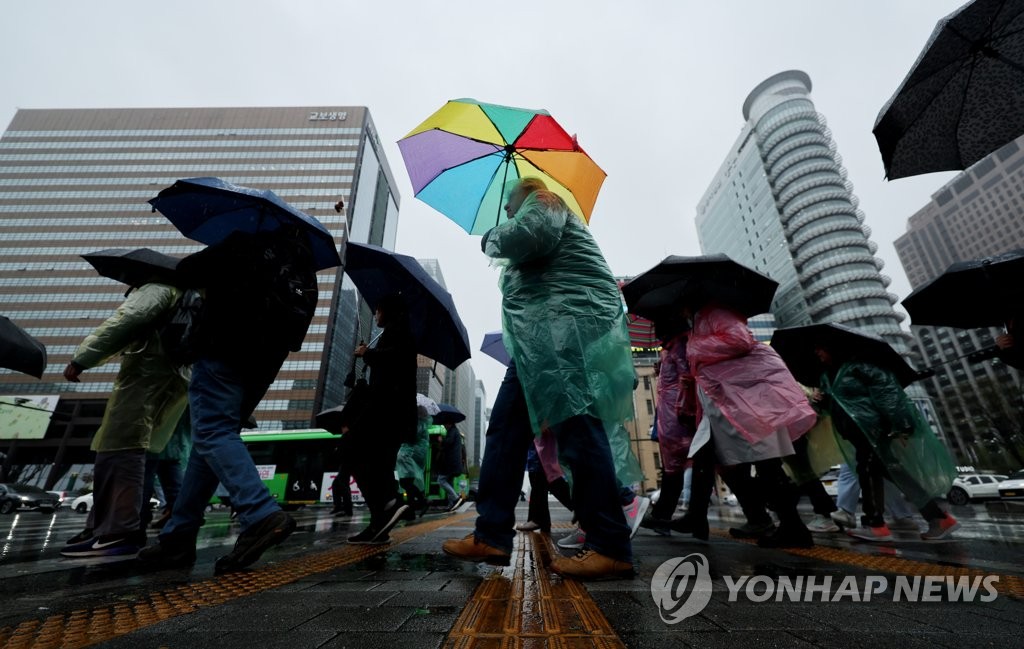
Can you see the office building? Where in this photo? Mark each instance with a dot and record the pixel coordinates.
(76, 181)
(781, 204)
(977, 214)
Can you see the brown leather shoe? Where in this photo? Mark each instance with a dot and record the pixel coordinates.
(470, 549)
(587, 564)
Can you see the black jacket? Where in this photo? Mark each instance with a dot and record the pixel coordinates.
(238, 321)
(450, 458)
(392, 383)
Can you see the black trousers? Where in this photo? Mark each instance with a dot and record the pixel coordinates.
(373, 467)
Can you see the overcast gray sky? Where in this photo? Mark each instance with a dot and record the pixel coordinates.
(653, 90)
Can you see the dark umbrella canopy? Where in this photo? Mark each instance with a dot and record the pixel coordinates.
(134, 266)
(494, 346)
(796, 346)
(449, 414)
(698, 280)
(19, 351)
(435, 321)
(963, 98)
(208, 210)
(979, 293)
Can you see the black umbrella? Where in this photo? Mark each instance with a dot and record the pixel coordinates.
(964, 97)
(696, 281)
(796, 346)
(134, 266)
(19, 351)
(449, 414)
(979, 293)
(435, 321)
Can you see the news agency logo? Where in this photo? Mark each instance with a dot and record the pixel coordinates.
(681, 587)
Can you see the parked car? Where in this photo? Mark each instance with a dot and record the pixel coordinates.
(974, 486)
(1013, 486)
(83, 503)
(22, 496)
(62, 496)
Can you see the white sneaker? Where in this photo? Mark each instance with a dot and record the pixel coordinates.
(843, 518)
(822, 524)
(573, 541)
(634, 512)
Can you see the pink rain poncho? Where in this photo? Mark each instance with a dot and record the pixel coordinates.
(675, 386)
(757, 407)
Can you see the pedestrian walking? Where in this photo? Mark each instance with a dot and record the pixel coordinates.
(148, 398)
(386, 420)
(890, 439)
(751, 409)
(167, 467)
(676, 423)
(260, 296)
(410, 467)
(571, 372)
(450, 464)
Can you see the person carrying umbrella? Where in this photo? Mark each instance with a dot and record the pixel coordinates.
(451, 455)
(890, 439)
(148, 398)
(750, 410)
(261, 295)
(571, 371)
(388, 419)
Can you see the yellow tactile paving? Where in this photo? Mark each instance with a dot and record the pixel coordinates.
(525, 606)
(1008, 584)
(86, 627)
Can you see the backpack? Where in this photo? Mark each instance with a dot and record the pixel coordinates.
(180, 329)
(290, 295)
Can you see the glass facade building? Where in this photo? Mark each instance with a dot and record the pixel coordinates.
(781, 204)
(974, 215)
(76, 181)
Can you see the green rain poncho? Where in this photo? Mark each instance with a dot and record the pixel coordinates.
(915, 459)
(563, 319)
(412, 458)
(149, 393)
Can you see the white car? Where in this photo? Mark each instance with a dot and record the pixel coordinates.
(83, 503)
(1013, 486)
(974, 486)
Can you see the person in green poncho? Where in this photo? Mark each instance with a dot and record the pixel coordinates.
(411, 464)
(571, 372)
(890, 439)
(148, 398)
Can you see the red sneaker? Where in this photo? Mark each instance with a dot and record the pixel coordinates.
(865, 533)
(940, 528)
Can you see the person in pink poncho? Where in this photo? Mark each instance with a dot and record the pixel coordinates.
(749, 411)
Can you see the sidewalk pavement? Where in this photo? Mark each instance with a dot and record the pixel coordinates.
(316, 591)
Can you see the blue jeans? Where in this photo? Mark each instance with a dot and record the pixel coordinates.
(221, 396)
(583, 445)
(445, 482)
(848, 489)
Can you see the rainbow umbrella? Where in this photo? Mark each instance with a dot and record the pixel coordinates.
(463, 156)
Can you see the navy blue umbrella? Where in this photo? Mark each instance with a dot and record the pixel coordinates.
(208, 210)
(435, 321)
(494, 346)
(448, 415)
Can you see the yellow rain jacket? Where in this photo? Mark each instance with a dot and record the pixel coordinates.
(149, 393)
